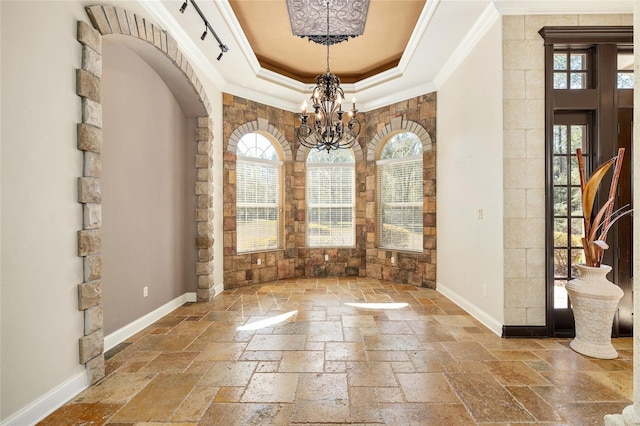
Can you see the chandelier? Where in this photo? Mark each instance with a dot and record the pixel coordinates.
(329, 127)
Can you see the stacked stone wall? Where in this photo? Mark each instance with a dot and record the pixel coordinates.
(295, 259)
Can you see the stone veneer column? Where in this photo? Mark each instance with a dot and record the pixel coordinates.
(89, 194)
(523, 168)
(204, 209)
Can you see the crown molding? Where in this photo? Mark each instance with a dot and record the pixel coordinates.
(486, 20)
(187, 46)
(569, 7)
(275, 100)
(379, 100)
(421, 27)
(224, 7)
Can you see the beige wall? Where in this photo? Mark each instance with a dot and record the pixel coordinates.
(41, 323)
(470, 252)
(524, 220)
(147, 194)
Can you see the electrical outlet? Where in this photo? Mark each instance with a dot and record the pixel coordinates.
(145, 291)
(485, 291)
(480, 213)
(259, 261)
(326, 257)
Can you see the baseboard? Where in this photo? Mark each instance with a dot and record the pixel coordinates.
(49, 402)
(141, 323)
(524, 331)
(491, 323)
(218, 288)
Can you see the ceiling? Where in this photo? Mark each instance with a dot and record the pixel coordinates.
(408, 48)
(388, 28)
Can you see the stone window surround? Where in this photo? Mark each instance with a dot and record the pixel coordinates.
(263, 126)
(108, 20)
(398, 125)
(376, 146)
(379, 259)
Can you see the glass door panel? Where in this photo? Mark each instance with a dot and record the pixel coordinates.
(570, 132)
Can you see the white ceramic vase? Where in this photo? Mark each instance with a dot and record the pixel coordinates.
(594, 300)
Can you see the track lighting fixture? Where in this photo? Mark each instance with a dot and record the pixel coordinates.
(207, 26)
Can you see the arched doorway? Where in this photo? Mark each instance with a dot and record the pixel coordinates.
(160, 51)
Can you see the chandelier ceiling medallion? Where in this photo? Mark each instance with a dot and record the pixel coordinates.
(329, 127)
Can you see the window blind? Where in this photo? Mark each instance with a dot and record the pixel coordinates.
(400, 203)
(257, 205)
(330, 204)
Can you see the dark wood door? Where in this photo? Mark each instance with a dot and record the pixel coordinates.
(623, 235)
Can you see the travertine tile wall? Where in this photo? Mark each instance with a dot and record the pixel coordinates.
(524, 162)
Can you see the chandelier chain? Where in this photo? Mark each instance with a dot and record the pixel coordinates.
(327, 130)
(328, 36)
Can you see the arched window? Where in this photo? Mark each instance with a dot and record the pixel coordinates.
(330, 198)
(258, 194)
(400, 193)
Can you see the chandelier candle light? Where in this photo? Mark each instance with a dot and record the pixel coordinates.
(328, 130)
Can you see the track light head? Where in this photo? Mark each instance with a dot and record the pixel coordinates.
(207, 26)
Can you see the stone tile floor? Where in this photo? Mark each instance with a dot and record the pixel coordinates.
(428, 363)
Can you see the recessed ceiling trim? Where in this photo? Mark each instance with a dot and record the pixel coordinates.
(412, 92)
(378, 79)
(271, 99)
(486, 20)
(197, 57)
(238, 34)
(424, 20)
(282, 80)
(539, 7)
(398, 71)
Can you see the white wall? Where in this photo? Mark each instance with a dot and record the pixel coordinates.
(41, 269)
(469, 179)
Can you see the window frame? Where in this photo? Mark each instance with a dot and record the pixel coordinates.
(278, 205)
(381, 236)
(311, 241)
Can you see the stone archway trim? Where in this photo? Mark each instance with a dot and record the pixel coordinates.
(259, 125)
(397, 124)
(113, 20)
